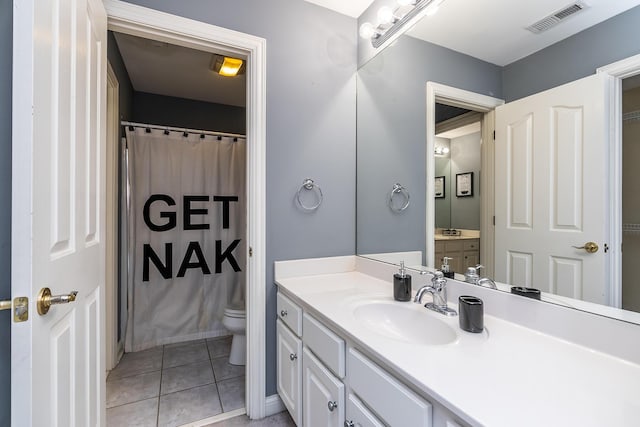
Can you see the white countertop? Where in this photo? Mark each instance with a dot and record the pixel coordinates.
(509, 376)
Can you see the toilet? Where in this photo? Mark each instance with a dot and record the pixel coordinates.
(234, 320)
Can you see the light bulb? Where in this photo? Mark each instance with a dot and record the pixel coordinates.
(367, 30)
(385, 15)
(445, 150)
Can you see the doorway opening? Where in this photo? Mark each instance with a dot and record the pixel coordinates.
(457, 175)
(162, 29)
(630, 200)
(469, 107)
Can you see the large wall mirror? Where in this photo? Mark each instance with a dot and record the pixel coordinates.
(432, 182)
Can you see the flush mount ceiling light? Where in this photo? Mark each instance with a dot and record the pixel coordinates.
(391, 21)
(227, 66)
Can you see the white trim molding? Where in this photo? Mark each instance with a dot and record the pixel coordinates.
(449, 95)
(614, 74)
(149, 23)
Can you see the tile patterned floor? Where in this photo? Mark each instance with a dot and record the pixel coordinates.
(283, 419)
(175, 384)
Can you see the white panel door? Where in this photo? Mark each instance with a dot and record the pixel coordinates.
(551, 190)
(58, 210)
(322, 394)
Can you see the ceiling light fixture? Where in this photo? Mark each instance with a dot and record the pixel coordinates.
(227, 66)
(391, 21)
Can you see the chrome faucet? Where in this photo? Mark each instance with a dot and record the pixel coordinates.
(438, 291)
(472, 276)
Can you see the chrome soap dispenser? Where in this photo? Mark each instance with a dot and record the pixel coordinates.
(402, 285)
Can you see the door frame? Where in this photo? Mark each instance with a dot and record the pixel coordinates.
(614, 74)
(450, 95)
(113, 347)
(152, 24)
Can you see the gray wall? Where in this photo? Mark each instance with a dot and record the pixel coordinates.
(575, 57)
(391, 109)
(311, 65)
(170, 111)
(465, 157)
(6, 40)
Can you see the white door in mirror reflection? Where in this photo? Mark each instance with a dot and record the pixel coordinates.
(551, 191)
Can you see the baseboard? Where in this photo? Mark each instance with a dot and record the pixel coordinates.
(273, 405)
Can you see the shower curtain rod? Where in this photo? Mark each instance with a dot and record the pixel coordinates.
(174, 129)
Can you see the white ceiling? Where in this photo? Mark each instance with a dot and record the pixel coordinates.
(353, 8)
(171, 70)
(461, 131)
(494, 30)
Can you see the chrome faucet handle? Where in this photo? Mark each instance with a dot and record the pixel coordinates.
(438, 280)
(471, 275)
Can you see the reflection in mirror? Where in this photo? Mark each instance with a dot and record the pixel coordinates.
(391, 147)
(457, 215)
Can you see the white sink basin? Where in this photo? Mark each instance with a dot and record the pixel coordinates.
(407, 322)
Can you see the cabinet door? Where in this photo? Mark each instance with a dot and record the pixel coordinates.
(358, 415)
(323, 394)
(471, 258)
(289, 370)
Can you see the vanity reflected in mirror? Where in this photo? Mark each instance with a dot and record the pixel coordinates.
(553, 181)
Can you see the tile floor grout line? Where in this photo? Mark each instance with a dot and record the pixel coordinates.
(160, 388)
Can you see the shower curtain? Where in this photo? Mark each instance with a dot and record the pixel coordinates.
(186, 228)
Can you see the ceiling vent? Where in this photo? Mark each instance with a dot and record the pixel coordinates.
(555, 18)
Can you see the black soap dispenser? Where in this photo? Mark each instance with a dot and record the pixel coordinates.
(402, 285)
(446, 269)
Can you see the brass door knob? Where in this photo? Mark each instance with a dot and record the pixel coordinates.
(590, 247)
(46, 300)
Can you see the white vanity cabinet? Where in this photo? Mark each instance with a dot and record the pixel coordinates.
(289, 356)
(392, 401)
(322, 394)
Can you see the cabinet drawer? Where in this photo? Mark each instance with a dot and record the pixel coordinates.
(325, 344)
(471, 245)
(358, 415)
(392, 401)
(453, 245)
(289, 313)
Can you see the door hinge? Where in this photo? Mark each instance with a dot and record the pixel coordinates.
(494, 135)
(494, 220)
(250, 251)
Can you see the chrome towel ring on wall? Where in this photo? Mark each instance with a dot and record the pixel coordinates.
(399, 191)
(309, 185)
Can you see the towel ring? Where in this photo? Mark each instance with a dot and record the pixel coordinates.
(309, 185)
(399, 189)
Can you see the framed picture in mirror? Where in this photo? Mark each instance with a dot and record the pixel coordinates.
(464, 184)
(439, 187)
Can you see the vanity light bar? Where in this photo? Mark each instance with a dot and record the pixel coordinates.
(385, 30)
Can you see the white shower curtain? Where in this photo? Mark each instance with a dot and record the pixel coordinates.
(187, 243)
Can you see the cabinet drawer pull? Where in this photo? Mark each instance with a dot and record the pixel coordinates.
(283, 313)
(332, 405)
(293, 356)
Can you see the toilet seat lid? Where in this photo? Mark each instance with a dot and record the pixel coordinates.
(231, 312)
